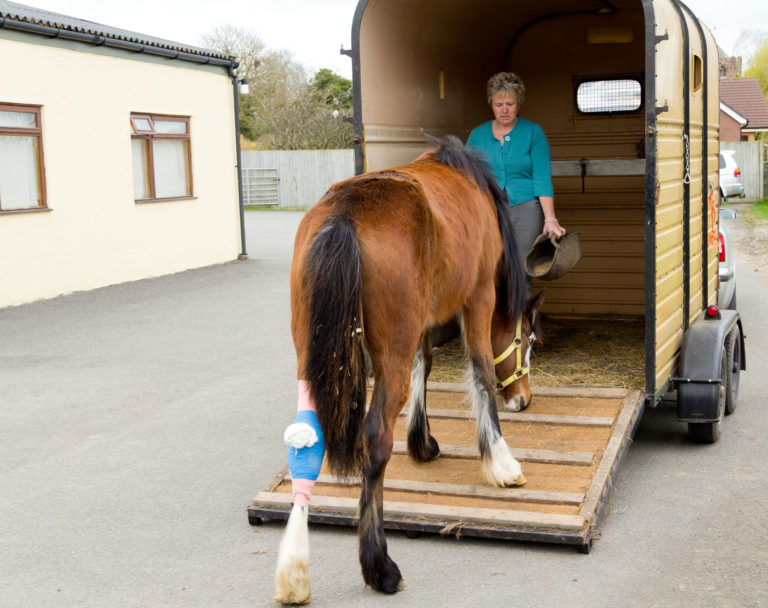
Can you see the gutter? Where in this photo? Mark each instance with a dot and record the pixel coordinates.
(139, 47)
(99, 40)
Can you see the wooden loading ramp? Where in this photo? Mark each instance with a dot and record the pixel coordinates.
(569, 442)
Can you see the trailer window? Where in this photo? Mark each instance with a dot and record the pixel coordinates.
(697, 73)
(601, 96)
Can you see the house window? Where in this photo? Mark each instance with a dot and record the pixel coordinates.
(22, 182)
(161, 158)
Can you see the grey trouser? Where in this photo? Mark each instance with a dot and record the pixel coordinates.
(528, 221)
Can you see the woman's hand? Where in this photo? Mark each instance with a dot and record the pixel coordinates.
(553, 228)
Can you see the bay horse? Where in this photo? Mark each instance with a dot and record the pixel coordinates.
(377, 261)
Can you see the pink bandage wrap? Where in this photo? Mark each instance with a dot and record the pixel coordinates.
(302, 488)
(305, 399)
(302, 491)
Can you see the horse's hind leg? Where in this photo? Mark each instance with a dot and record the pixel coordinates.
(498, 465)
(379, 570)
(421, 445)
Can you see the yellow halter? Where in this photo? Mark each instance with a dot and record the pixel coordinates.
(517, 346)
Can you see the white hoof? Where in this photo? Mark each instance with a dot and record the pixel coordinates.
(292, 573)
(501, 469)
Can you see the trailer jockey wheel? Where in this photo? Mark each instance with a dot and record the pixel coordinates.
(709, 432)
(733, 361)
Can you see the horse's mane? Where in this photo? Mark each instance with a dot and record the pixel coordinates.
(512, 287)
(452, 152)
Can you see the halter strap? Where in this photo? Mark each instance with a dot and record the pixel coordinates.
(516, 346)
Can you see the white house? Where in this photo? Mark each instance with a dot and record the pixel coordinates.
(118, 156)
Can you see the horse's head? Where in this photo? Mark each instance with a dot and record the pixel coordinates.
(511, 343)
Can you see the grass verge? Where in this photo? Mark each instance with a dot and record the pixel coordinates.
(760, 209)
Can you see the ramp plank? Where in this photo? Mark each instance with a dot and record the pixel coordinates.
(442, 512)
(523, 455)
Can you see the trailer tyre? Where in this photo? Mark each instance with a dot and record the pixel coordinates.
(709, 432)
(733, 362)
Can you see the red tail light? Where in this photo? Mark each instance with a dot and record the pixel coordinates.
(721, 249)
(736, 172)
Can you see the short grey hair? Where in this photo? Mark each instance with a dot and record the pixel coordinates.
(504, 84)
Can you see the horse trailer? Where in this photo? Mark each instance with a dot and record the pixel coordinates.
(627, 94)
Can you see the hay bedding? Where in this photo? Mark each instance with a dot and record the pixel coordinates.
(575, 351)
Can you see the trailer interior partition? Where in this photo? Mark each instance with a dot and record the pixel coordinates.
(626, 92)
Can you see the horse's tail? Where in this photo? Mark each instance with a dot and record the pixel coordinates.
(511, 286)
(335, 368)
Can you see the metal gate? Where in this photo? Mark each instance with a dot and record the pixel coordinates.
(260, 187)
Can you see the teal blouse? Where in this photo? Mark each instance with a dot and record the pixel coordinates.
(521, 166)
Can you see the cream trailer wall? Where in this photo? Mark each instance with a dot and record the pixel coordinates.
(94, 234)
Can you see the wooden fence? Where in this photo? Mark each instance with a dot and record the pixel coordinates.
(299, 177)
(751, 158)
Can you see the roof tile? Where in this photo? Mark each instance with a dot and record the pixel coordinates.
(746, 97)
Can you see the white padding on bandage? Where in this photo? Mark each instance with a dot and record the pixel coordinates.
(300, 435)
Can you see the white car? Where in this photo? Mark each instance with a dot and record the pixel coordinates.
(730, 176)
(726, 293)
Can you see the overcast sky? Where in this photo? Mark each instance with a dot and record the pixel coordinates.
(315, 30)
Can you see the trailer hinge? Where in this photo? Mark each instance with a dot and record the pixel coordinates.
(664, 108)
(692, 381)
(663, 37)
(347, 52)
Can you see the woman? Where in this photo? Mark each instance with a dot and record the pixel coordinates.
(518, 153)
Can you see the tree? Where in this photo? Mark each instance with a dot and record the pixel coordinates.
(285, 110)
(246, 45)
(332, 89)
(750, 40)
(758, 67)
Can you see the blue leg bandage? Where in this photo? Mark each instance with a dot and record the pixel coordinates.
(305, 462)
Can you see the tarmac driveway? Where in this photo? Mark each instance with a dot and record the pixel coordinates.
(138, 421)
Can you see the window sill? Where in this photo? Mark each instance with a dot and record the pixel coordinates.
(170, 199)
(20, 211)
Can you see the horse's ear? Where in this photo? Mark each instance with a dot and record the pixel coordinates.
(534, 304)
(532, 307)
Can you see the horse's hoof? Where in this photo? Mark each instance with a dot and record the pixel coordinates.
(386, 579)
(520, 481)
(424, 453)
(433, 451)
(391, 579)
(291, 599)
(500, 469)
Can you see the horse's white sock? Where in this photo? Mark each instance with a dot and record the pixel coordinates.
(292, 573)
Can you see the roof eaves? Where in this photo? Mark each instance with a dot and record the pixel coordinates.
(733, 113)
(46, 23)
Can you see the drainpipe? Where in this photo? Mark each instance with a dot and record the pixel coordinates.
(236, 92)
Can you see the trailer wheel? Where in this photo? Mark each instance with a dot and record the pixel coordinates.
(709, 432)
(733, 361)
